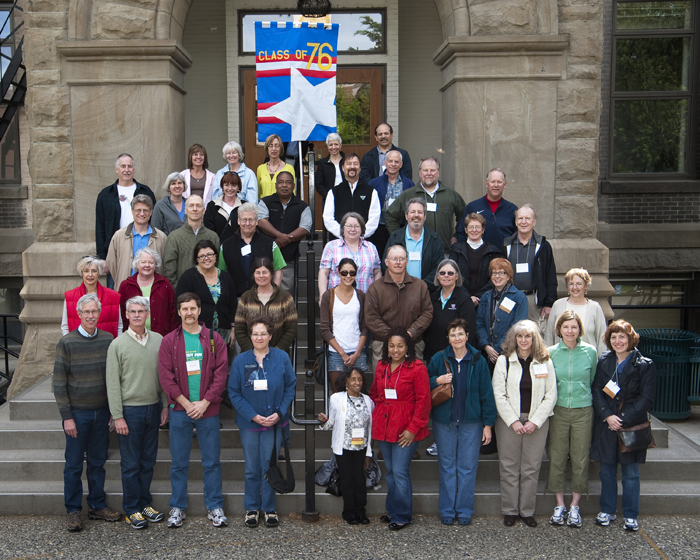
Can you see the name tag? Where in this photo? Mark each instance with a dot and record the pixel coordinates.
(413, 256)
(522, 268)
(358, 436)
(611, 389)
(245, 250)
(390, 394)
(260, 385)
(507, 305)
(432, 206)
(193, 367)
(540, 370)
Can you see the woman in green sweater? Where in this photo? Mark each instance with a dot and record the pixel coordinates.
(571, 425)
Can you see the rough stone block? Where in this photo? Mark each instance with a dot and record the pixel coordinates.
(575, 216)
(588, 253)
(47, 6)
(578, 101)
(577, 130)
(50, 134)
(583, 71)
(586, 39)
(578, 13)
(48, 106)
(36, 358)
(121, 21)
(577, 159)
(46, 20)
(51, 192)
(40, 48)
(577, 188)
(50, 163)
(53, 220)
(43, 77)
(654, 260)
(503, 17)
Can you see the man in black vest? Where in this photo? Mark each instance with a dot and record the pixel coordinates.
(352, 195)
(287, 220)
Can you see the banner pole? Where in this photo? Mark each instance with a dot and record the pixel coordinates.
(301, 172)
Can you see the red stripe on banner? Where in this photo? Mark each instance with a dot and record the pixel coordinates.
(291, 58)
(288, 71)
(263, 106)
(270, 120)
(273, 73)
(317, 73)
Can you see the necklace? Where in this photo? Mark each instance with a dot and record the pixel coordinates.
(276, 168)
(207, 277)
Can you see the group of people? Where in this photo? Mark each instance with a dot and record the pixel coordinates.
(418, 292)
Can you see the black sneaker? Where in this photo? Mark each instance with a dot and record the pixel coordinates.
(153, 515)
(251, 519)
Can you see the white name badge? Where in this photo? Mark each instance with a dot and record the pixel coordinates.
(611, 389)
(540, 370)
(413, 256)
(193, 367)
(358, 436)
(260, 385)
(507, 305)
(245, 250)
(432, 206)
(522, 268)
(390, 394)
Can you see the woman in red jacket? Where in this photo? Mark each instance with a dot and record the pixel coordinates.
(401, 394)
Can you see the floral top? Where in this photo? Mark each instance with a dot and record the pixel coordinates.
(215, 291)
(357, 416)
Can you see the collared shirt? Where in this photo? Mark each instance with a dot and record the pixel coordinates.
(415, 253)
(366, 259)
(382, 157)
(431, 194)
(142, 340)
(522, 255)
(393, 190)
(140, 241)
(82, 331)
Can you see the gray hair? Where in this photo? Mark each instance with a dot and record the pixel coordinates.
(360, 220)
(149, 251)
(496, 169)
(170, 179)
(142, 199)
(233, 147)
(397, 246)
(248, 207)
(528, 206)
(454, 265)
(120, 156)
(138, 300)
(334, 136)
(88, 261)
(395, 152)
(417, 200)
(86, 298)
(429, 158)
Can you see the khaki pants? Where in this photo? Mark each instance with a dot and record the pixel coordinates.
(520, 459)
(377, 352)
(534, 313)
(569, 435)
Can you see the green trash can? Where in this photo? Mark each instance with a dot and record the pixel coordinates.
(694, 395)
(670, 350)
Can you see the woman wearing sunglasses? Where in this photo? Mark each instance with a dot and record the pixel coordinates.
(343, 325)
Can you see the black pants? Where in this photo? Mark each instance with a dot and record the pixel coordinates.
(351, 466)
(380, 238)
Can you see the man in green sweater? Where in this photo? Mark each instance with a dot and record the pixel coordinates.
(138, 405)
(81, 395)
(179, 248)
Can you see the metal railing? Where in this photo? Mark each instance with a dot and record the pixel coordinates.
(8, 353)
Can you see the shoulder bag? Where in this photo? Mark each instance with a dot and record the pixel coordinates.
(443, 392)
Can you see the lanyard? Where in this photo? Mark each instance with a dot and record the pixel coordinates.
(388, 372)
(517, 252)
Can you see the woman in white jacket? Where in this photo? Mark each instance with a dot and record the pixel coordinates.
(350, 417)
(524, 404)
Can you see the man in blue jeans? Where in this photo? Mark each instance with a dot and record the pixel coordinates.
(81, 395)
(137, 404)
(193, 370)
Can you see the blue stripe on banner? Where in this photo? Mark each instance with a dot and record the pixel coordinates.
(272, 90)
(284, 131)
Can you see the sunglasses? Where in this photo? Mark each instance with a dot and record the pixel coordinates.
(446, 273)
(348, 272)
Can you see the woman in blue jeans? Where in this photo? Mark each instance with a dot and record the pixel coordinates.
(261, 387)
(624, 389)
(462, 423)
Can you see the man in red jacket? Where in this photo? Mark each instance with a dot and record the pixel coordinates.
(192, 367)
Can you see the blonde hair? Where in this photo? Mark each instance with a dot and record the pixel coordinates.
(582, 273)
(538, 350)
(568, 315)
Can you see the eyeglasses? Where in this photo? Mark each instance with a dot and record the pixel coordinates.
(350, 226)
(89, 312)
(344, 273)
(246, 221)
(206, 257)
(474, 228)
(396, 259)
(446, 273)
(499, 273)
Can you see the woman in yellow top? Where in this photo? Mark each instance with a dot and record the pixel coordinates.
(267, 172)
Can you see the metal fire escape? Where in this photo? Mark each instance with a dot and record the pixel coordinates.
(14, 75)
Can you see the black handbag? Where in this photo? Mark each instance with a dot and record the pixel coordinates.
(635, 438)
(274, 474)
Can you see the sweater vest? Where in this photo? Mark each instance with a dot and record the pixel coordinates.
(260, 245)
(285, 220)
(346, 201)
(109, 316)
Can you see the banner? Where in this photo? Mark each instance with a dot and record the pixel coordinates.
(296, 67)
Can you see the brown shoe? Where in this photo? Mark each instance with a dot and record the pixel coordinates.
(74, 523)
(529, 521)
(105, 514)
(509, 520)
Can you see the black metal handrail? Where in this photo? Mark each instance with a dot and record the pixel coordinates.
(5, 347)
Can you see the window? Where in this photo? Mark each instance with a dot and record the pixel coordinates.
(9, 143)
(653, 130)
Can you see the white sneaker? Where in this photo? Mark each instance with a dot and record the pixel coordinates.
(574, 519)
(175, 517)
(604, 519)
(631, 524)
(432, 450)
(559, 517)
(217, 517)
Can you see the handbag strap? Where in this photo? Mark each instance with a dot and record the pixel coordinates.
(447, 364)
(273, 459)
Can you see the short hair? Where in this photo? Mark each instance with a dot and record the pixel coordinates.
(283, 172)
(270, 140)
(568, 315)
(391, 129)
(394, 152)
(457, 323)
(142, 199)
(185, 297)
(344, 375)
(396, 246)
(194, 148)
(203, 244)
(86, 298)
(360, 220)
(261, 262)
(90, 260)
(261, 320)
(582, 273)
(233, 178)
(248, 207)
(410, 345)
(120, 156)
(333, 136)
(170, 179)
(191, 198)
(454, 265)
(429, 158)
(474, 217)
(528, 207)
(538, 349)
(232, 146)
(501, 263)
(621, 326)
(496, 169)
(351, 155)
(417, 200)
(149, 251)
(138, 300)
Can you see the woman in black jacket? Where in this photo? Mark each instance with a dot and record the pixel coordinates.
(329, 170)
(624, 389)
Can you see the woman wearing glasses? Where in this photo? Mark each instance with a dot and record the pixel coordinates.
(343, 325)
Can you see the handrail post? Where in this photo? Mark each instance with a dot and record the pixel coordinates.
(310, 514)
(311, 273)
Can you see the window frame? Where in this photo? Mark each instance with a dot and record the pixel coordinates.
(13, 127)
